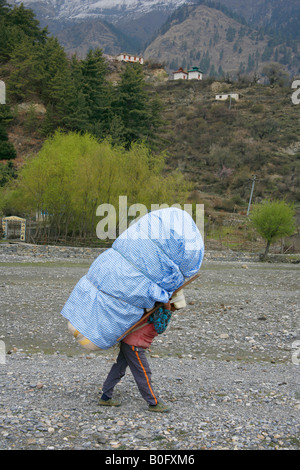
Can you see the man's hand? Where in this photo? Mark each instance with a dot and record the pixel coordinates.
(169, 307)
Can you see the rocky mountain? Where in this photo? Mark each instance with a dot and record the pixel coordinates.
(221, 36)
(87, 9)
(110, 24)
(278, 16)
(219, 41)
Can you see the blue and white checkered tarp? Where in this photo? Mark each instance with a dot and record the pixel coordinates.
(145, 264)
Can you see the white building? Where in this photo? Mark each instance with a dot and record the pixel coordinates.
(224, 97)
(130, 58)
(180, 74)
(195, 74)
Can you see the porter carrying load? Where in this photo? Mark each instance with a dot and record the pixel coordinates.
(145, 266)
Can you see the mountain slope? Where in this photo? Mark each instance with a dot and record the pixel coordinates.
(221, 145)
(271, 29)
(112, 9)
(80, 37)
(278, 16)
(205, 36)
(137, 19)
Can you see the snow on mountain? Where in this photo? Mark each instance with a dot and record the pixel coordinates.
(110, 10)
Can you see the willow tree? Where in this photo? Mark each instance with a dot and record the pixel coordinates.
(73, 174)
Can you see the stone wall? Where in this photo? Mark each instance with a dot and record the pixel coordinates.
(65, 252)
(49, 251)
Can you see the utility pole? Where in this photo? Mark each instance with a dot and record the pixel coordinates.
(252, 189)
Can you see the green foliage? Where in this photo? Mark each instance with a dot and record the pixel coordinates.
(74, 173)
(276, 74)
(205, 62)
(273, 220)
(76, 93)
(230, 34)
(31, 121)
(17, 24)
(131, 104)
(7, 150)
(7, 172)
(35, 65)
(96, 93)
(255, 135)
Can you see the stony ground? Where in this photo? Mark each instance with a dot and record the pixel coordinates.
(228, 365)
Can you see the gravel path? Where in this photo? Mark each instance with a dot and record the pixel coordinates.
(228, 365)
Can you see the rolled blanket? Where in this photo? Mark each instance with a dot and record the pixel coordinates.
(145, 265)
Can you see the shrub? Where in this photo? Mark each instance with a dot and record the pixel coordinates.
(7, 151)
(273, 220)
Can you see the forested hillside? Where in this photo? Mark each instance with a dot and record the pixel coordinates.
(277, 18)
(220, 145)
(75, 92)
(209, 35)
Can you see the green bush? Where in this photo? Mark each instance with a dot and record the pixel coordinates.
(7, 151)
(73, 174)
(257, 108)
(272, 220)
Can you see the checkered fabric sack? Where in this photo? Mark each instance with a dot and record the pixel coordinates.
(145, 265)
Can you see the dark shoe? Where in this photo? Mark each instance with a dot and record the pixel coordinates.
(109, 402)
(159, 408)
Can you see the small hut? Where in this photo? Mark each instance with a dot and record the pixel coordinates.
(14, 227)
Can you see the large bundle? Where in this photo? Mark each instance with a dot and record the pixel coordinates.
(145, 265)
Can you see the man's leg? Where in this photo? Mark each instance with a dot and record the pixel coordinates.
(137, 361)
(116, 373)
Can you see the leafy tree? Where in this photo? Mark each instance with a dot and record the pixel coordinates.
(7, 172)
(74, 173)
(267, 53)
(16, 25)
(155, 122)
(273, 220)
(117, 131)
(4, 36)
(31, 121)
(49, 123)
(96, 91)
(76, 93)
(34, 67)
(3, 7)
(24, 19)
(69, 109)
(7, 150)
(53, 60)
(276, 74)
(205, 62)
(230, 34)
(27, 74)
(138, 114)
(77, 119)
